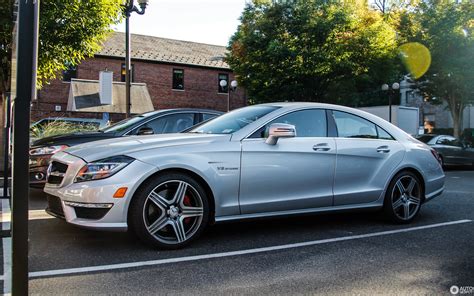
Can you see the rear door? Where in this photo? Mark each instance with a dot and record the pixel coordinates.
(366, 157)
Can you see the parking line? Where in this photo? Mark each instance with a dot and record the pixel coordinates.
(6, 249)
(32, 215)
(49, 273)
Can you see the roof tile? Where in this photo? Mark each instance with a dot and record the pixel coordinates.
(166, 50)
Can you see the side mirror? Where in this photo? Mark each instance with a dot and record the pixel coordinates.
(145, 131)
(280, 130)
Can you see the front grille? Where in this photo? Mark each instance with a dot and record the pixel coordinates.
(55, 207)
(56, 172)
(90, 213)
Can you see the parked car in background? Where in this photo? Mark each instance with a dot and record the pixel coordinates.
(259, 161)
(451, 150)
(155, 122)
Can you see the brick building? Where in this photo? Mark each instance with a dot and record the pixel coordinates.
(176, 74)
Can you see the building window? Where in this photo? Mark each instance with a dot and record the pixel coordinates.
(178, 79)
(225, 88)
(123, 72)
(69, 73)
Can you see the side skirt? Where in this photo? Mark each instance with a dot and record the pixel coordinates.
(332, 209)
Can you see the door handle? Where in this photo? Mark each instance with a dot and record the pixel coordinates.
(383, 149)
(321, 147)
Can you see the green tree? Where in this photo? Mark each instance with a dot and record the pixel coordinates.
(69, 31)
(6, 27)
(313, 50)
(446, 29)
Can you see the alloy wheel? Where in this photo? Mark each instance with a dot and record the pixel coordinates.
(173, 212)
(406, 197)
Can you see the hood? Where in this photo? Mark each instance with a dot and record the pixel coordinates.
(67, 138)
(96, 150)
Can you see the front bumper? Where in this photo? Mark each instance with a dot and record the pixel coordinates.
(91, 204)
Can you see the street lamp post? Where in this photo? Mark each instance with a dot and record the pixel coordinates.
(395, 87)
(128, 8)
(233, 87)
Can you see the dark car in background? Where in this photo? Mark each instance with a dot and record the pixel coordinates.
(451, 150)
(155, 122)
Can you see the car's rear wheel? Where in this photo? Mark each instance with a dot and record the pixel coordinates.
(169, 211)
(403, 197)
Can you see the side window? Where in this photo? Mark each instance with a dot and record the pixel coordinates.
(451, 142)
(442, 141)
(171, 123)
(308, 123)
(383, 134)
(352, 126)
(207, 116)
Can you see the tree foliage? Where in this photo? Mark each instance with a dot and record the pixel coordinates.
(6, 20)
(69, 31)
(446, 29)
(313, 50)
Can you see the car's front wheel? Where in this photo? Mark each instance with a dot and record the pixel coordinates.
(169, 211)
(403, 197)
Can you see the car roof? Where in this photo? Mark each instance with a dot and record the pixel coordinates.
(164, 111)
(301, 104)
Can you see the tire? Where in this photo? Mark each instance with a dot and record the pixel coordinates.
(169, 211)
(403, 198)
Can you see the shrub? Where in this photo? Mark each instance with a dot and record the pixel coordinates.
(60, 128)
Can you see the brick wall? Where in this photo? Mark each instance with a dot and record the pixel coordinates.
(200, 88)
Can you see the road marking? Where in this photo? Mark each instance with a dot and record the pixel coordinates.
(6, 248)
(458, 192)
(32, 215)
(48, 273)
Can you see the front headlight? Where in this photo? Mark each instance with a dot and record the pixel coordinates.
(103, 168)
(47, 150)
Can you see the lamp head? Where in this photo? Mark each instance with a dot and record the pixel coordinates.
(395, 86)
(233, 84)
(223, 83)
(142, 4)
(384, 87)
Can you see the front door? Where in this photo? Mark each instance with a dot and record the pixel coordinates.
(296, 173)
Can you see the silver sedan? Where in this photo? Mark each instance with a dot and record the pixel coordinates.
(258, 161)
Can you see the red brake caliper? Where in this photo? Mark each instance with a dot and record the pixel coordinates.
(187, 202)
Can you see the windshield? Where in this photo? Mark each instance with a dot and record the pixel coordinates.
(234, 121)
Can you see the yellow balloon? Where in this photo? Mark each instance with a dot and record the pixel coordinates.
(416, 58)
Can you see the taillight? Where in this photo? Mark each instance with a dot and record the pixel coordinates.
(436, 155)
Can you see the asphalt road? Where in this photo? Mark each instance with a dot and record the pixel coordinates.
(344, 254)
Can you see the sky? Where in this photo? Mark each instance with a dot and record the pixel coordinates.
(204, 21)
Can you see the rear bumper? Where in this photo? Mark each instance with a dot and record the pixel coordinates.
(434, 194)
(434, 187)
